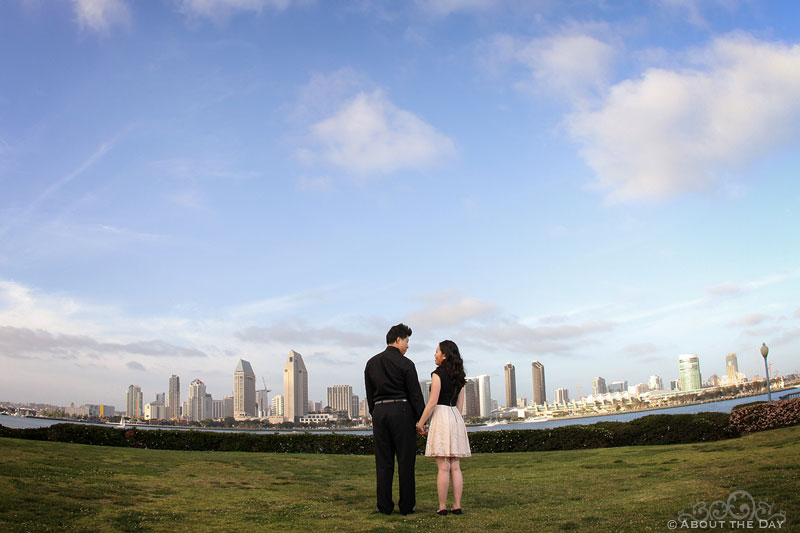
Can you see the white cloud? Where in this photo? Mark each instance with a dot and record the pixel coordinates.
(570, 65)
(219, 10)
(101, 15)
(752, 319)
(448, 308)
(371, 136)
(447, 7)
(673, 131)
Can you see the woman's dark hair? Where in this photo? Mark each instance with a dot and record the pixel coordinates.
(400, 330)
(453, 364)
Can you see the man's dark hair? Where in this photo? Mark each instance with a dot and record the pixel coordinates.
(400, 330)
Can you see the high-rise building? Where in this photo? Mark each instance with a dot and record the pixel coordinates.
(217, 409)
(732, 366)
(425, 385)
(353, 414)
(363, 408)
(484, 395)
(599, 386)
(655, 383)
(295, 388)
(262, 403)
(472, 403)
(339, 397)
(276, 407)
(562, 396)
(197, 401)
(539, 390)
(228, 409)
(689, 377)
(174, 398)
(618, 386)
(511, 385)
(244, 391)
(135, 409)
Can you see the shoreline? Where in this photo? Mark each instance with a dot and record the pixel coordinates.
(490, 423)
(628, 411)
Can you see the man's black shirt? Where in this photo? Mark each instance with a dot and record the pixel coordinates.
(390, 375)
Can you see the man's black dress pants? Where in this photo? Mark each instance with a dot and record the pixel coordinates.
(394, 431)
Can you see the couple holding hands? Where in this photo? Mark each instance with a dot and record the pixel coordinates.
(399, 412)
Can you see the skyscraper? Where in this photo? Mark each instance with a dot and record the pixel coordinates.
(339, 398)
(485, 395)
(539, 391)
(262, 403)
(472, 404)
(133, 398)
(354, 406)
(174, 398)
(295, 388)
(425, 385)
(511, 385)
(276, 405)
(197, 401)
(655, 383)
(244, 391)
(689, 366)
(562, 396)
(599, 386)
(732, 366)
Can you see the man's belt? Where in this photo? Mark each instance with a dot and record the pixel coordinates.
(391, 401)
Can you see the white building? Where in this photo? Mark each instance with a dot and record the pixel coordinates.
(244, 391)
(197, 402)
(655, 383)
(295, 387)
(340, 397)
(484, 395)
(134, 402)
(155, 411)
(276, 407)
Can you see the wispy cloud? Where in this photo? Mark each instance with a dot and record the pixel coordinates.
(370, 136)
(298, 332)
(221, 10)
(448, 308)
(752, 319)
(574, 63)
(670, 132)
(448, 7)
(24, 342)
(101, 15)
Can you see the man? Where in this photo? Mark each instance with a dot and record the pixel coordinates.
(395, 403)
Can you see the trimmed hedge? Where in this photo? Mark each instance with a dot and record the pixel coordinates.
(762, 416)
(652, 429)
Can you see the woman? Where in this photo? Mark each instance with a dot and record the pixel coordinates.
(447, 438)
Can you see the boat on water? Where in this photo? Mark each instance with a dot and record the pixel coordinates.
(538, 419)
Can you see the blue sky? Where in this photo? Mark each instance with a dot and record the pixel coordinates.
(600, 186)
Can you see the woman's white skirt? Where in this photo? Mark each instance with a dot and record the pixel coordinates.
(447, 436)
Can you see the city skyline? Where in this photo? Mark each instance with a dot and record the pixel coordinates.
(597, 186)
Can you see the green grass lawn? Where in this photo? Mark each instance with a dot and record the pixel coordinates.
(48, 486)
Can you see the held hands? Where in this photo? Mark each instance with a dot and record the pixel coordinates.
(421, 429)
